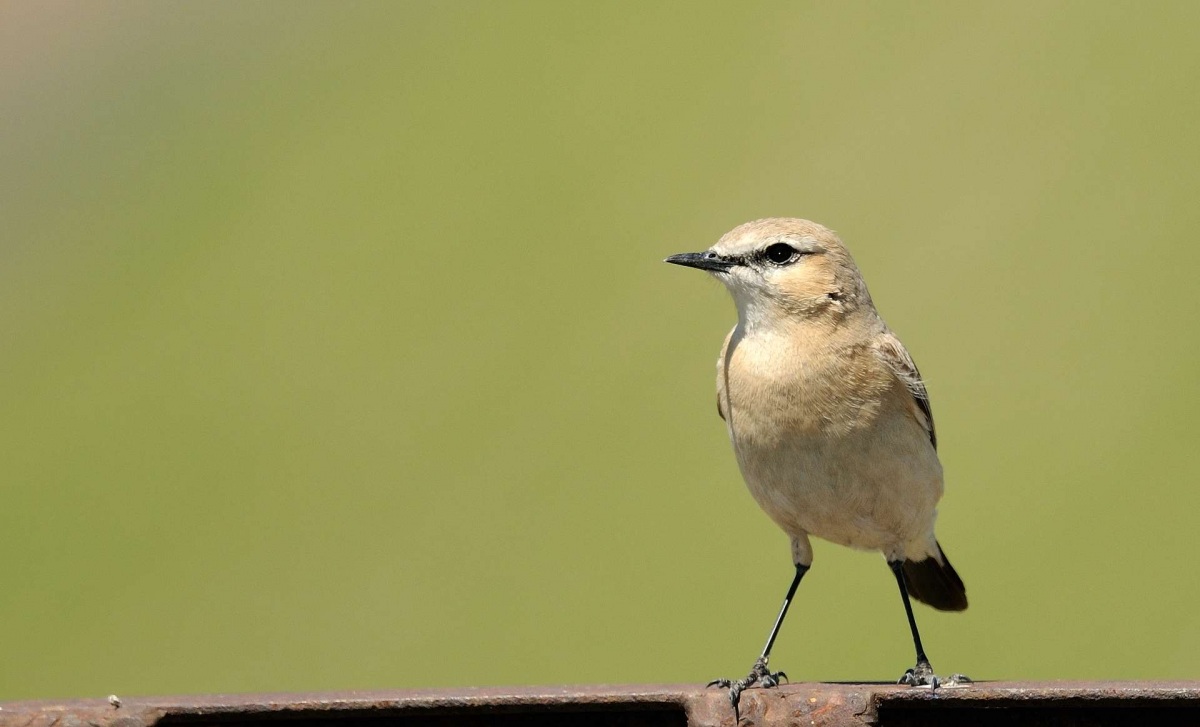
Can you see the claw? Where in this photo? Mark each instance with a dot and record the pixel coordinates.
(759, 674)
(771, 679)
(735, 694)
(922, 675)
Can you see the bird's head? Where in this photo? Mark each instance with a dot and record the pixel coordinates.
(780, 269)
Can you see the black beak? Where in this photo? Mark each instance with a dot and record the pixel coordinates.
(703, 260)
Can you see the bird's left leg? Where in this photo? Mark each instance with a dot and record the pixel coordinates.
(759, 673)
(922, 673)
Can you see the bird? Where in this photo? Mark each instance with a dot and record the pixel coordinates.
(829, 419)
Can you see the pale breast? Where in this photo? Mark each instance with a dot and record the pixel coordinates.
(826, 440)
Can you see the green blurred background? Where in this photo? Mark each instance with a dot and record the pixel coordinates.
(338, 351)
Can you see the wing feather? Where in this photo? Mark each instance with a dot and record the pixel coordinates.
(897, 358)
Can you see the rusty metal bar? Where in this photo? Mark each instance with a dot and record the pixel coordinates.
(1098, 704)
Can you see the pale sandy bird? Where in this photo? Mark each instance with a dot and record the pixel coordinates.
(828, 416)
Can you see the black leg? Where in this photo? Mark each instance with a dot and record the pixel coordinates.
(759, 672)
(787, 601)
(921, 674)
(898, 570)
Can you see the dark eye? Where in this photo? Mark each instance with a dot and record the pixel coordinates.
(780, 253)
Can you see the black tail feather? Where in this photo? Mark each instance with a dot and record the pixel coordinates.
(935, 583)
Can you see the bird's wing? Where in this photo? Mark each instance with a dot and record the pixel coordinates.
(722, 363)
(900, 362)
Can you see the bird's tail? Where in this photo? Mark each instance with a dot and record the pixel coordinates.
(933, 581)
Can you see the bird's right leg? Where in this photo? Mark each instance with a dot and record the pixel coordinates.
(759, 673)
(922, 674)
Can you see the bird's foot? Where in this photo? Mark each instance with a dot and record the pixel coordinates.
(759, 674)
(922, 675)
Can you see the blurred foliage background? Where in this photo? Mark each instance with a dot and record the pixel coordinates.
(338, 351)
